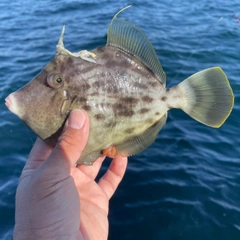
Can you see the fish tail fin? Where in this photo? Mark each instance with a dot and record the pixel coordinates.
(207, 97)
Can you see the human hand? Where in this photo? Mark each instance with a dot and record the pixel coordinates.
(57, 200)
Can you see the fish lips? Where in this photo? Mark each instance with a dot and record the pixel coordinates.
(12, 104)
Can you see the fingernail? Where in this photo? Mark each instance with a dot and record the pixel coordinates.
(76, 119)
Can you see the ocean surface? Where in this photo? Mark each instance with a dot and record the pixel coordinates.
(187, 184)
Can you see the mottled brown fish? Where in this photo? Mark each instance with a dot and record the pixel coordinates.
(122, 88)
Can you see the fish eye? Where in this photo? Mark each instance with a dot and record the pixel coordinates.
(55, 80)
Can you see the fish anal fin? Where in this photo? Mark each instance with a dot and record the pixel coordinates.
(139, 143)
(129, 147)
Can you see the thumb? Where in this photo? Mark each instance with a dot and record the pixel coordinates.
(72, 140)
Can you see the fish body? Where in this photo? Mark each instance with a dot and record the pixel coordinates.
(122, 88)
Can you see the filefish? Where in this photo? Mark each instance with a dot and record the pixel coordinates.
(122, 87)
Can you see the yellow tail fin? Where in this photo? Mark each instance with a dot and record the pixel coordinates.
(208, 97)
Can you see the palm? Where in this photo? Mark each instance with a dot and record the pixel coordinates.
(94, 197)
(93, 201)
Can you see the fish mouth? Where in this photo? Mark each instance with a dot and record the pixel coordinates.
(12, 105)
(8, 102)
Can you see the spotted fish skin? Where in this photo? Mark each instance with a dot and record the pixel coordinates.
(122, 88)
(122, 96)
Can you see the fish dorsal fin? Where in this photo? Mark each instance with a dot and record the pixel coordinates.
(128, 37)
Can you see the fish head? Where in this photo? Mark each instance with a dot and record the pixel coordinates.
(43, 103)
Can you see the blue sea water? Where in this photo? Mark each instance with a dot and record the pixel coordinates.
(187, 184)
